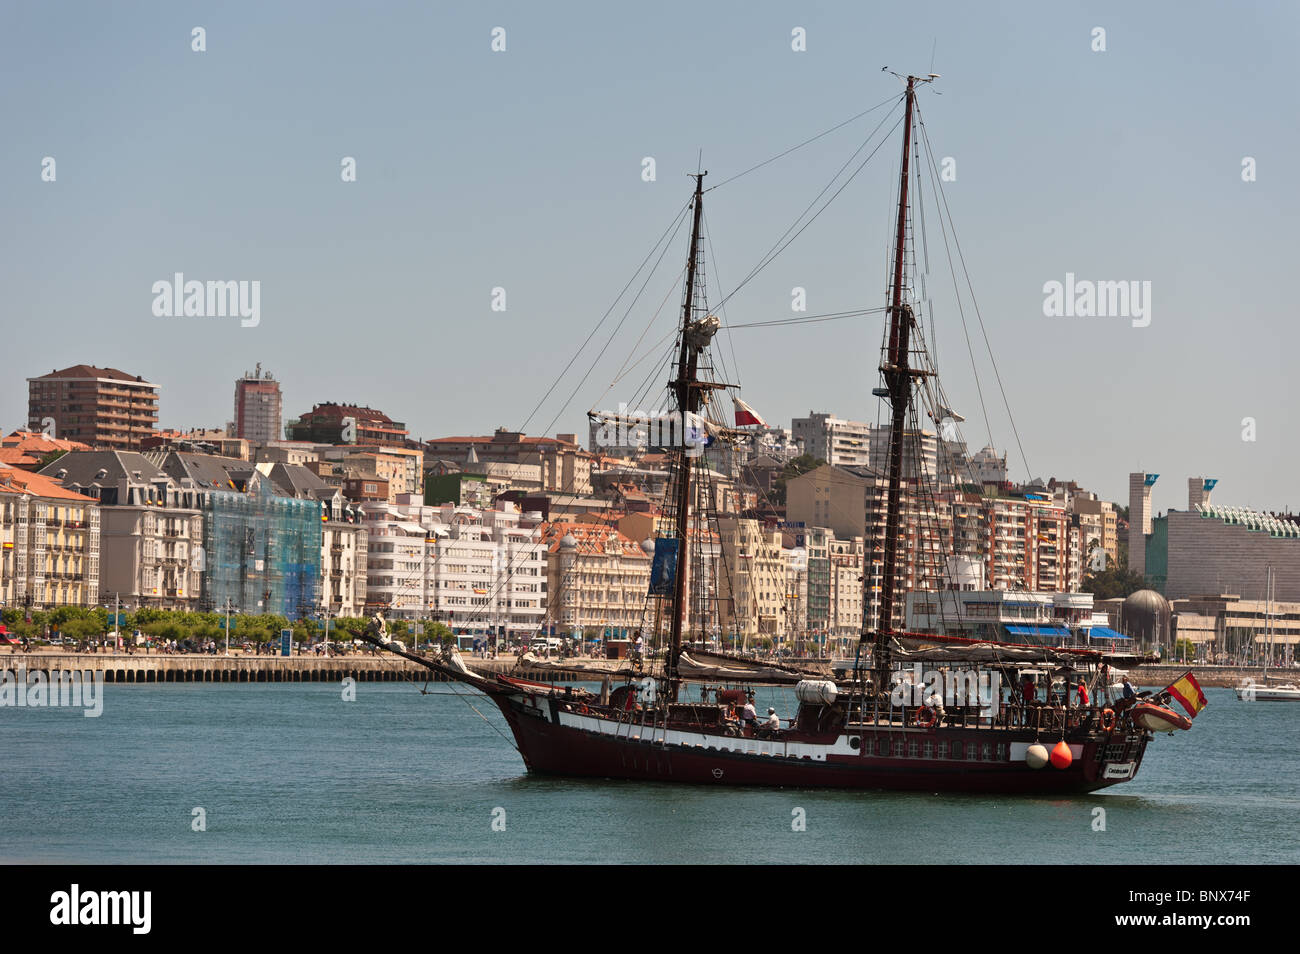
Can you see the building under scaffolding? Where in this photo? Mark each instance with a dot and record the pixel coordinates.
(263, 552)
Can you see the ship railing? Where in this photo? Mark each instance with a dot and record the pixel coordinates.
(1009, 716)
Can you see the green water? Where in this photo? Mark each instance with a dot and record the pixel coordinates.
(293, 773)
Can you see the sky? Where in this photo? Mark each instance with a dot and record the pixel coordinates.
(523, 169)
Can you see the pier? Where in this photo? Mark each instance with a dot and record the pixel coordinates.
(139, 667)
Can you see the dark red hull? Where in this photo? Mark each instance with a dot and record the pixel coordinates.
(551, 748)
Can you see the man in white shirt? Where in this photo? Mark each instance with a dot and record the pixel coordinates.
(749, 715)
(773, 720)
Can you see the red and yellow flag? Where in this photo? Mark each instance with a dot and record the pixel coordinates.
(1188, 693)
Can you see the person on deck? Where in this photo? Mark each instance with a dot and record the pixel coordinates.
(773, 720)
(1083, 695)
(1129, 691)
(749, 715)
(1027, 690)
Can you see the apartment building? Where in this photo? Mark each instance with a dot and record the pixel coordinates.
(835, 440)
(49, 543)
(258, 408)
(753, 591)
(480, 571)
(102, 407)
(563, 466)
(598, 577)
(151, 536)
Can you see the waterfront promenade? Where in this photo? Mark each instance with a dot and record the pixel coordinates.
(122, 667)
(202, 667)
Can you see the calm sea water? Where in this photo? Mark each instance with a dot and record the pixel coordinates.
(292, 773)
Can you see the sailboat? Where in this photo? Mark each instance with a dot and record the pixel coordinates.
(1249, 691)
(916, 712)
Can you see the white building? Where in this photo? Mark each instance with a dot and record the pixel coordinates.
(833, 439)
(1003, 615)
(476, 570)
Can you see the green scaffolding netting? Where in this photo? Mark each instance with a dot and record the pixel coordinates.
(263, 553)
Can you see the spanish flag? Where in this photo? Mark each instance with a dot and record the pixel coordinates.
(1188, 693)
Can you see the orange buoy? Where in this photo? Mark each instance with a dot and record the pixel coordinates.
(1061, 757)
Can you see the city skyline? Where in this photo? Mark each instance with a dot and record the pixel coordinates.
(479, 169)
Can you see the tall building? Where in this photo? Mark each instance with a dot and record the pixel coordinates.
(1139, 519)
(257, 407)
(833, 439)
(103, 407)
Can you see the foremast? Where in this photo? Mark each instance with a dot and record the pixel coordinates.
(689, 393)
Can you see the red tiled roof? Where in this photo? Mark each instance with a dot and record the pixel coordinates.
(90, 371)
(591, 538)
(364, 415)
(17, 458)
(35, 485)
(35, 442)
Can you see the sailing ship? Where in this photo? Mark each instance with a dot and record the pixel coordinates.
(948, 725)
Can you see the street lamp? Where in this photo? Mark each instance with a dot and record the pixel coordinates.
(227, 626)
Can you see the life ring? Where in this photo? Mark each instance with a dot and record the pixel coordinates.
(925, 718)
(1107, 719)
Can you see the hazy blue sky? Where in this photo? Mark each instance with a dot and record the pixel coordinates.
(522, 169)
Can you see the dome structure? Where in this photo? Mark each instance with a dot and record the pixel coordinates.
(1144, 615)
(569, 542)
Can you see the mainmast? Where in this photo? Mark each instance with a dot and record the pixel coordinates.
(898, 389)
(695, 336)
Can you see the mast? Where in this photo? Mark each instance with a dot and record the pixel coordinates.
(898, 388)
(688, 404)
(1268, 618)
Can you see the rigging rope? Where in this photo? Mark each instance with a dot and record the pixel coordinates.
(778, 248)
(892, 99)
(672, 228)
(975, 304)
